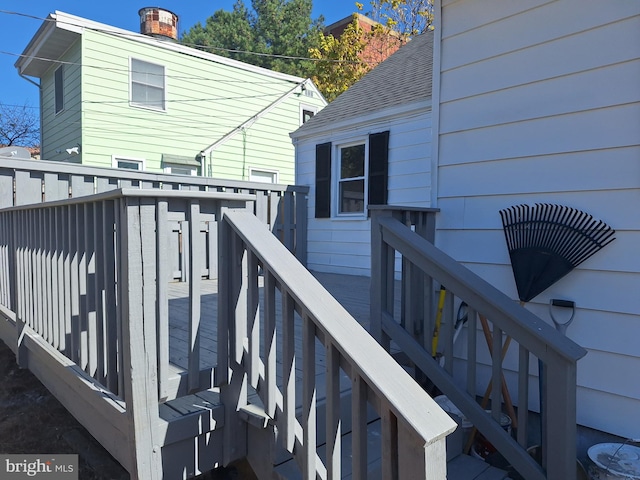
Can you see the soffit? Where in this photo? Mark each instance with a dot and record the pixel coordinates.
(45, 49)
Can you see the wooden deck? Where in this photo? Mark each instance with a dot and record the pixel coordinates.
(86, 304)
(353, 293)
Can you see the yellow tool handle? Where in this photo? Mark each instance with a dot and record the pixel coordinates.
(436, 330)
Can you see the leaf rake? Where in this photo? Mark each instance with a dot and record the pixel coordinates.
(547, 241)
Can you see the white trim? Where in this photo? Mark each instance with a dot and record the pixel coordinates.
(193, 169)
(309, 108)
(435, 99)
(164, 86)
(116, 158)
(335, 179)
(275, 173)
(387, 114)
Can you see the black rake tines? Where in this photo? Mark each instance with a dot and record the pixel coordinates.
(566, 231)
(547, 241)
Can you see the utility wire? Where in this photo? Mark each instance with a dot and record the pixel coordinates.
(207, 48)
(128, 71)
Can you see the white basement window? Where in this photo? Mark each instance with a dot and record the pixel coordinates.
(127, 163)
(263, 176)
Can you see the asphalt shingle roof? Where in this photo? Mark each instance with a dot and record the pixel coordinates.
(404, 77)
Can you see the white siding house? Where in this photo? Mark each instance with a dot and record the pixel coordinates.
(539, 101)
(384, 121)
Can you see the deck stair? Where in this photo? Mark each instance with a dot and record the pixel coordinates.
(459, 466)
(206, 410)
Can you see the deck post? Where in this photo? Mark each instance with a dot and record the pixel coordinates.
(301, 227)
(561, 429)
(231, 379)
(420, 460)
(138, 272)
(378, 274)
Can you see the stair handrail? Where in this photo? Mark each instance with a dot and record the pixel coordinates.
(558, 353)
(414, 427)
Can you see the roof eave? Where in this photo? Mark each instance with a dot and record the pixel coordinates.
(54, 37)
(410, 108)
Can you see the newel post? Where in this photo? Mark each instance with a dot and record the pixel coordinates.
(140, 368)
(231, 378)
(381, 291)
(560, 418)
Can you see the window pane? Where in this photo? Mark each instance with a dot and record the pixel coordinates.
(262, 177)
(59, 88)
(147, 96)
(352, 196)
(352, 161)
(179, 170)
(147, 73)
(129, 165)
(307, 115)
(147, 84)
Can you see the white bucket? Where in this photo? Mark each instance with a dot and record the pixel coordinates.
(453, 411)
(614, 461)
(448, 406)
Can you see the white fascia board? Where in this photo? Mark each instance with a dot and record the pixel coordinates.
(354, 123)
(73, 23)
(33, 47)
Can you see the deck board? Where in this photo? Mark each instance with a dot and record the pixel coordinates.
(351, 291)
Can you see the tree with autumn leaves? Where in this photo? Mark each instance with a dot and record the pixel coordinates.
(282, 36)
(340, 62)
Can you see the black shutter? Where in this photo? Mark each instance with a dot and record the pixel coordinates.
(378, 167)
(323, 180)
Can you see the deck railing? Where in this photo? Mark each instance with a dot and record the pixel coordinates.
(410, 327)
(251, 332)
(84, 301)
(282, 207)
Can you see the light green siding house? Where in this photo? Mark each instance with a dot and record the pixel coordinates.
(115, 98)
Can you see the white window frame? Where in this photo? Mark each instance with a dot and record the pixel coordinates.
(55, 89)
(117, 158)
(275, 173)
(309, 108)
(336, 180)
(135, 104)
(193, 169)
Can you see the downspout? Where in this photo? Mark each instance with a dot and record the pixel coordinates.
(247, 124)
(435, 104)
(39, 107)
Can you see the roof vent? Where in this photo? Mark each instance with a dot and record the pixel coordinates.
(158, 22)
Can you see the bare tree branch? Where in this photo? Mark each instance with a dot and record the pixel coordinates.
(19, 125)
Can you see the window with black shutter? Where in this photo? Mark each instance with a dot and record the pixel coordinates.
(361, 176)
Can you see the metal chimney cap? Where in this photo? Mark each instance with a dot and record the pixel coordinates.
(158, 22)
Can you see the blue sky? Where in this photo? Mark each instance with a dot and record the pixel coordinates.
(18, 29)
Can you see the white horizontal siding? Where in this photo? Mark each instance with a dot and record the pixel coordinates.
(341, 245)
(539, 101)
